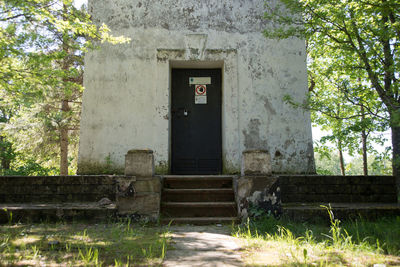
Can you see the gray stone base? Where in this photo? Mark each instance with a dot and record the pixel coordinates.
(257, 195)
(73, 197)
(300, 196)
(139, 196)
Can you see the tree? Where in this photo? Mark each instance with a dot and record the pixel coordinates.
(7, 153)
(356, 34)
(331, 112)
(41, 66)
(377, 165)
(341, 105)
(338, 106)
(327, 162)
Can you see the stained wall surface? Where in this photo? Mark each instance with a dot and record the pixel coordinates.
(126, 102)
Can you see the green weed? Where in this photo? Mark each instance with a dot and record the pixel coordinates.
(339, 243)
(89, 256)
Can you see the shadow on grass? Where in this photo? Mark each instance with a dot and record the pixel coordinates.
(82, 244)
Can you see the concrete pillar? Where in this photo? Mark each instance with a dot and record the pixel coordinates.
(139, 162)
(256, 162)
(139, 192)
(256, 187)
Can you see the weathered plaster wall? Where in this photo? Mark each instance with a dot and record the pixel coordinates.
(127, 96)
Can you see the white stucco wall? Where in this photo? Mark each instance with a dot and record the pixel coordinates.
(127, 87)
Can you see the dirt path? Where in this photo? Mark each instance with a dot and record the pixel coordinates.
(202, 246)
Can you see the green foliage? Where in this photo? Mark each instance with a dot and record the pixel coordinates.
(354, 61)
(30, 167)
(327, 163)
(377, 165)
(89, 256)
(42, 44)
(353, 235)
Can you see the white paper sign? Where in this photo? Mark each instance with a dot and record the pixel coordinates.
(199, 80)
(200, 99)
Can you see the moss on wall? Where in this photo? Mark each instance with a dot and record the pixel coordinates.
(99, 168)
(229, 168)
(162, 168)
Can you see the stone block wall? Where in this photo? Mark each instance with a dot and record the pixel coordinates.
(338, 189)
(139, 196)
(56, 189)
(137, 193)
(258, 194)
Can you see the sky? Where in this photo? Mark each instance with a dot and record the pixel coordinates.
(78, 3)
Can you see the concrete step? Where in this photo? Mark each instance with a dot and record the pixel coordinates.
(199, 209)
(198, 195)
(342, 211)
(39, 212)
(199, 220)
(198, 199)
(197, 181)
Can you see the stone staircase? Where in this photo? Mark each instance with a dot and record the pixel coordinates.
(197, 199)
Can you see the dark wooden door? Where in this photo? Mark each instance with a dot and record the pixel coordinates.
(196, 121)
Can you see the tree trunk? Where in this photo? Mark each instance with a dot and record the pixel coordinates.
(64, 104)
(364, 152)
(342, 170)
(64, 142)
(364, 144)
(341, 160)
(396, 153)
(5, 162)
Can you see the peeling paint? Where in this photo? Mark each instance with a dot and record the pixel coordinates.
(252, 138)
(127, 87)
(268, 106)
(288, 143)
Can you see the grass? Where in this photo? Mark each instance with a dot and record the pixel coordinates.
(270, 242)
(113, 244)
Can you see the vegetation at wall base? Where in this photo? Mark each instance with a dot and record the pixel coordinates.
(268, 241)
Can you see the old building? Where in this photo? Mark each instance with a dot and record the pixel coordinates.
(198, 84)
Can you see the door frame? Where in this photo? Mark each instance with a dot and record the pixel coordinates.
(187, 65)
(227, 59)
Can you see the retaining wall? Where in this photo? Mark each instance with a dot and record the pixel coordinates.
(269, 193)
(338, 189)
(131, 195)
(56, 189)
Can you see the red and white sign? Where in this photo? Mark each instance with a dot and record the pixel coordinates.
(200, 89)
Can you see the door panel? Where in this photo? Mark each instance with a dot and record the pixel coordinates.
(196, 125)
